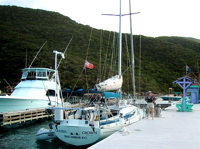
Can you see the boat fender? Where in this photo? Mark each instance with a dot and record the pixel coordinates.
(122, 121)
(92, 117)
(59, 115)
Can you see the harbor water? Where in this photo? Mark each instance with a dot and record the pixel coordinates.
(25, 138)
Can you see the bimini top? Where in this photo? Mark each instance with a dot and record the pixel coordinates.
(81, 93)
(37, 73)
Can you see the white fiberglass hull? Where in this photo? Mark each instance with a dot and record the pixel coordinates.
(110, 84)
(78, 136)
(37, 89)
(80, 132)
(8, 104)
(83, 135)
(45, 134)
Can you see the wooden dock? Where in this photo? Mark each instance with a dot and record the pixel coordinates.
(25, 116)
(9, 118)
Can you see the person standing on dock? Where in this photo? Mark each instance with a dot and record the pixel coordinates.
(150, 99)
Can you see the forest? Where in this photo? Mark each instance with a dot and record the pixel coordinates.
(157, 61)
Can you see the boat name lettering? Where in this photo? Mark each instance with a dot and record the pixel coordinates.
(61, 131)
(89, 132)
(75, 137)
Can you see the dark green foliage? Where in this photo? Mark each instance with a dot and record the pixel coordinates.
(23, 31)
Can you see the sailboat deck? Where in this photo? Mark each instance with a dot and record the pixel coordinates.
(173, 130)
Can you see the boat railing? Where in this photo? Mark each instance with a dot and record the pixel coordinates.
(109, 117)
(37, 74)
(34, 78)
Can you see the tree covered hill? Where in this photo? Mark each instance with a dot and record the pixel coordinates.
(23, 31)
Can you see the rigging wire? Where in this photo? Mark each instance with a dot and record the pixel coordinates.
(105, 60)
(113, 55)
(100, 54)
(140, 64)
(76, 82)
(87, 56)
(128, 61)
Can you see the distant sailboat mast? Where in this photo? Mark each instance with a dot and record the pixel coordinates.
(132, 51)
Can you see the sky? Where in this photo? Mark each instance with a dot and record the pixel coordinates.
(156, 17)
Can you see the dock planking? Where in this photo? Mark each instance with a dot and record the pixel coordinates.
(9, 118)
(173, 130)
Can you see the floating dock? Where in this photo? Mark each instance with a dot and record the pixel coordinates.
(173, 130)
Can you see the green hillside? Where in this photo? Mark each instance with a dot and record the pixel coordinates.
(23, 31)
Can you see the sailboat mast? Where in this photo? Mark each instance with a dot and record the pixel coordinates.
(120, 45)
(132, 53)
(120, 41)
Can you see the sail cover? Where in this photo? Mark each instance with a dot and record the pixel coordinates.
(113, 83)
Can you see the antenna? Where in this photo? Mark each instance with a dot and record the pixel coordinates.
(37, 54)
(26, 59)
(8, 84)
(64, 53)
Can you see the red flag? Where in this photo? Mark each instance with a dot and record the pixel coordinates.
(89, 65)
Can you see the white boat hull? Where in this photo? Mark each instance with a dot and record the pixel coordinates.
(8, 104)
(77, 136)
(110, 84)
(45, 134)
(37, 89)
(80, 132)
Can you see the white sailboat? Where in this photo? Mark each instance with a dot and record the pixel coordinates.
(113, 83)
(38, 89)
(86, 126)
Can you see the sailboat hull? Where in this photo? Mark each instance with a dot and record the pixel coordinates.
(83, 135)
(113, 83)
(79, 132)
(79, 135)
